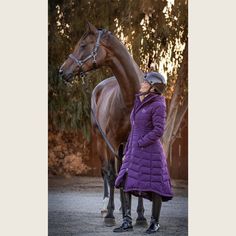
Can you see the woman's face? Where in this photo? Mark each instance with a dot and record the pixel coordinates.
(144, 86)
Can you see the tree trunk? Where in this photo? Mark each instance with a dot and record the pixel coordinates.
(178, 105)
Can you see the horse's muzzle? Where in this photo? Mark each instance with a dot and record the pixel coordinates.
(66, 77)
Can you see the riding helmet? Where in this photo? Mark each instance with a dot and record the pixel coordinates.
(156, 80)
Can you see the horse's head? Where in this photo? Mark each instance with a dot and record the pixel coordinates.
(88, 54)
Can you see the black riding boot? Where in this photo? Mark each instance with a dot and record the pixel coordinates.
(127, 220)
(156, 209)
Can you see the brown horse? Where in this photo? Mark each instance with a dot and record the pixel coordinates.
(112, 99)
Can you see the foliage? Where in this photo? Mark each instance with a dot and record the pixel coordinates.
(67, 154)
(154, 31)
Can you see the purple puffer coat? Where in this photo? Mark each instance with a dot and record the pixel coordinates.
(144, 169)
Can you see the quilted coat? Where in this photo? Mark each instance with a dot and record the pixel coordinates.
(144, 169)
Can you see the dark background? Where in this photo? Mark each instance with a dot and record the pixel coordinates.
(154, 32)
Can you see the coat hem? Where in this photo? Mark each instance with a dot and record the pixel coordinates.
(145, 193)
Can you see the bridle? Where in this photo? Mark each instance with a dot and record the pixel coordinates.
(92, 55)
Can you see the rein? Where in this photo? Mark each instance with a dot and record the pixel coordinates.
(104, 136)
(92, 55)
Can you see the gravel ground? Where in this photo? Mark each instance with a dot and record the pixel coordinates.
(74, 209)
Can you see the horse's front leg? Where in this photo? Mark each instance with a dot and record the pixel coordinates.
(109, 218)
(140, 210)
(106, 193)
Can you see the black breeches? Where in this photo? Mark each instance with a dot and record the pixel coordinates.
(156, 206)
(127, 206)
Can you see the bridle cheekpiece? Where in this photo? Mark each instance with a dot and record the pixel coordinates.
(92, 55)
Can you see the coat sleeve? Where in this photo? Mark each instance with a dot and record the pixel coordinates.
(158, 120)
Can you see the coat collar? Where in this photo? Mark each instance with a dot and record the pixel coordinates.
(151, 97)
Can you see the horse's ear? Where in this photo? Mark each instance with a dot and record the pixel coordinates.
(91, 28)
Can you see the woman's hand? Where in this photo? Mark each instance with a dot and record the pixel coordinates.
(158, 121)
(123, 158)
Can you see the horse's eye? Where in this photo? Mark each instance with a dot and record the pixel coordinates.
(83, 45)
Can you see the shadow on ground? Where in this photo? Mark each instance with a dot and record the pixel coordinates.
(74, 209)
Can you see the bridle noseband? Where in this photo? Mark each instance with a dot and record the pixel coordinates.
(93, 55)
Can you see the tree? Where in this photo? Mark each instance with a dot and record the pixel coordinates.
(155, 33)
(178, 105)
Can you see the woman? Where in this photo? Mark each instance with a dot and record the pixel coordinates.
(144, 169)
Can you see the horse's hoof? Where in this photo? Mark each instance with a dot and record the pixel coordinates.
(103, 213)
(109, 222)
(109, 216)
(141, 221)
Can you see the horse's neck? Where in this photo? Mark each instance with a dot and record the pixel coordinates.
(126, 71)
